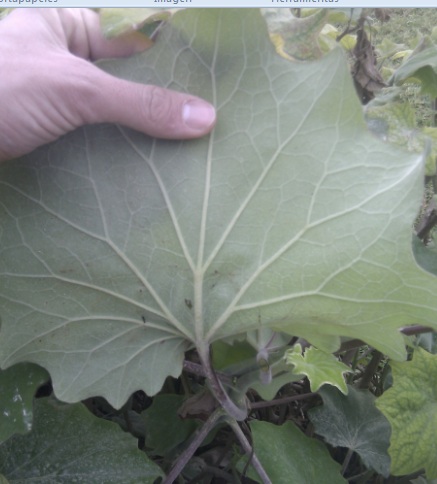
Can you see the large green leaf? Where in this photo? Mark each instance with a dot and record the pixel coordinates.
(395, 122)
(296, 37)
(18, 386)
(421, 65)
(410, 405)
(118, 21)
(353, 421)
(289, 215)
(68, 444)
(285, 453)
(165, 429)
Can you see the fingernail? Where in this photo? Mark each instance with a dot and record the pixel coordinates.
(198, 114)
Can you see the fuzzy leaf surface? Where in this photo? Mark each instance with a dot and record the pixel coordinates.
(353, 421)
(119, 252)
(69, 444)
(410, 406)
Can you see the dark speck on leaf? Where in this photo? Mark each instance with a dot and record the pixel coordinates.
(188, 303)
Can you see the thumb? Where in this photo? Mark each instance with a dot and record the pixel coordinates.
(155, 111)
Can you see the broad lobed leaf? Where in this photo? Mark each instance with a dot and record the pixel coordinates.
(420, 65)
(119, 252)
(165, 429)
(68, 444)
(410, 406)
(352, 421)
(18, 386)
(285, 452)
(118, 21)
(321, 368)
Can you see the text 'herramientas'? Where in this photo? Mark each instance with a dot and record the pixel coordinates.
(304, 1)
(174, 2)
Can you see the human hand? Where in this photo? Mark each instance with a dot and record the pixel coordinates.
(48, 86)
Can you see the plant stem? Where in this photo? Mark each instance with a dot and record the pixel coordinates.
(193, 368)
(197, 439)
(217, 389)
(370, 370)
(417, 329)
(248, 449)
(346, 461)
(281, 401)
(198, 370)
(407, 330)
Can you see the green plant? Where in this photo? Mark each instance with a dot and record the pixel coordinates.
(126, 259)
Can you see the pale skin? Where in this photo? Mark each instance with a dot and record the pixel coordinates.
(49, 86)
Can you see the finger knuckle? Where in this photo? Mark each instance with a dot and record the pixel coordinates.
(159, 106)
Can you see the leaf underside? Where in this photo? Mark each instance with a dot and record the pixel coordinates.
(119, 252)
